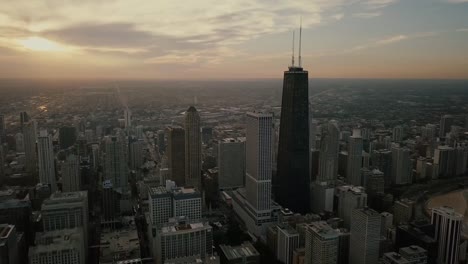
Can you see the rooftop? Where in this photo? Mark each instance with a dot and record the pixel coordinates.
(246, 249)
(119, 245)
(65, 239)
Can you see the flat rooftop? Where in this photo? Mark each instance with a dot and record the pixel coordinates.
(246, 249)
(118, 245)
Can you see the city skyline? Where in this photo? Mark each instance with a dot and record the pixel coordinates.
(212, 40)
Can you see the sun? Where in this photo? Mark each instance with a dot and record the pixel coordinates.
(40, 44)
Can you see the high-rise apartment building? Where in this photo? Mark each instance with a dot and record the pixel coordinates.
(288, 241)
(231, 163)
(192, 148)
(71, 177)
(354, 164)
(329, 148)
(447, 223)
(292, 184)
(321, 244)
(349, 199)
(46, 160)
(176, 154)
(444, 162)
(187, 202)
(401, 165)
(365, 236)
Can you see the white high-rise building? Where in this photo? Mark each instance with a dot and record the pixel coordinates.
(329, 148)
(187, 203)
(447, 223)
(321, 244)
(401, 165)
(128, 118)
(349, 199)
(115, 163)
(444, 161)
(180, 238)
(71, 178)
(288, 241)
(354, 164)
(192, 148)
(46, 160)
(59, 247)
(397, 135)
(254, 204)
(259, 160)
(30, 137)
(365, 236)
(231, 163)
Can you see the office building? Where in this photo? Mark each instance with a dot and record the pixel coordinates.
(406, 255)
(187, 202)
(288, 241)
(428, 132)
(66, 211)
(180, 238)
(67, 136)
(349, 199)
(24, 119)
(447, 223)
(160, 205)
(403, 211)
(329, 148)
(354, 164)
(176, 154)
(161, 141)
(244, 253)
(293, 172)
(401, 165)
(115, 163)
(59, 247)
(18, 213)
(445, 124)
(321, 246)
(46, 160)
(231, 163)
(136, 154)
(322, 197)
(192, 148)
(375, 182)
(382, 160)
(397, 135)
(71, 176)
(365, 236)
(11, 243)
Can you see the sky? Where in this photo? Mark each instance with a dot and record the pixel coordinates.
(233, 39)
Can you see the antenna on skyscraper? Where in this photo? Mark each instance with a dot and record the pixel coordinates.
(300, 43)
(292, 65)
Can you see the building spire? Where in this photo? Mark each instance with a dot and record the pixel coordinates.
(300, 43)
(292, 57)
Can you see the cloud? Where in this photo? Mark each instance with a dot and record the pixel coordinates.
(338, 16)
(378, 4)
(462, 30)
(456, 1)
(367, 15)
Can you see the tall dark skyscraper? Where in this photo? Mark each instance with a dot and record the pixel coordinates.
(293, 174)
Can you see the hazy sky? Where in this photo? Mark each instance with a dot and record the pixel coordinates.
(232, 38)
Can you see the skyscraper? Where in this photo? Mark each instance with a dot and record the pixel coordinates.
(231, 163)
(350, 198)
(354, 164)
(365, 236)
(19, 141)
(136, 154)
(192, 148)
(176, 154)
(115, 163)
(258, 156)
(329, 148)
(127, 118)
(30, 146)
(447, 225)
(401, 165)
(46, 160)
(71, 178)
(2, 127)
(445, 123)
(288, 241)
(293, 172)
(67, 136)
(24, 118)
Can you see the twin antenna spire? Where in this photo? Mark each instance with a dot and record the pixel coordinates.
(300, 44)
